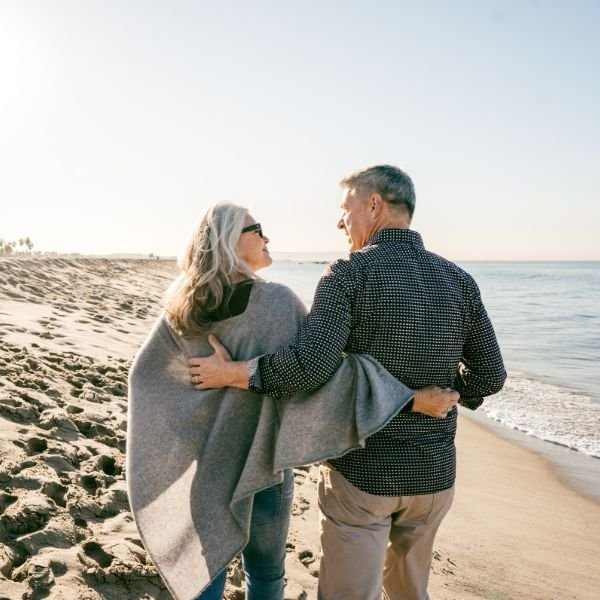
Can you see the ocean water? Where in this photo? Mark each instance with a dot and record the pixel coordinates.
(547, 319)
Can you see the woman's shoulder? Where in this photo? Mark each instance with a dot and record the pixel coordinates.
(271, 288)
(278, 294)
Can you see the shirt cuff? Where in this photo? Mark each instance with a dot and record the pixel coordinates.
(254, 380)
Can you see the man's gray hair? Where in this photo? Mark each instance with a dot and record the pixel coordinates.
(392, 183)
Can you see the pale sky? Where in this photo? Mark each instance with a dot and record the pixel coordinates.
(122, 121)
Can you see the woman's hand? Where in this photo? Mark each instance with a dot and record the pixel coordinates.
(217, 370)
(434, 401)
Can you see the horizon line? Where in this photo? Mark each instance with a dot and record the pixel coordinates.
(280, 256)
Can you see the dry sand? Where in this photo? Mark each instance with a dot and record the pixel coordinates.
(68, 332)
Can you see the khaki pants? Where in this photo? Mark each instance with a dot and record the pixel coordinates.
(375, 544)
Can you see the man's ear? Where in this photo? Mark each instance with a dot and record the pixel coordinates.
(375, 205)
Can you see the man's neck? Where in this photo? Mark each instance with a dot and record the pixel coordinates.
(391, 224)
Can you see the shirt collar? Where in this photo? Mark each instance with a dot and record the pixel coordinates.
(402, 236)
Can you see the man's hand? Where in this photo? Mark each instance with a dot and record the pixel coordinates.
(217, 370)
(434, 401)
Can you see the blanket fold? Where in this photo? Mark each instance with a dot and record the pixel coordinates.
(196, 459)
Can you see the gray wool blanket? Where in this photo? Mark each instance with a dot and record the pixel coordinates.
(195, 459)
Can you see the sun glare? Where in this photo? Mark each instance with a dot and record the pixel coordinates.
(18, 66)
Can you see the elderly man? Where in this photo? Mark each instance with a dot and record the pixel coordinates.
(422, 317)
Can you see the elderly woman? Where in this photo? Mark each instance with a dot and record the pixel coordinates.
(219, 270)
(209, 471)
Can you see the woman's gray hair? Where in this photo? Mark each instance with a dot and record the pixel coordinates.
(392, 183)
(209, 267)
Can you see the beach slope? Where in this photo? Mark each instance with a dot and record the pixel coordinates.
(69, 329)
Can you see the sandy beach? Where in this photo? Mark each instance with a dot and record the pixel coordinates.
(69, 329)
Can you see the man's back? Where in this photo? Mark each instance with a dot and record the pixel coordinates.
(421, 316)
(412, 309)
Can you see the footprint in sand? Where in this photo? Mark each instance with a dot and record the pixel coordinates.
(73, 365)
(109, 562)
(6, 500)
(444, 564)
(56, 492)
(93, 429)
(39, 577)
(17, 411)
(90, 484)
(109, 465)
(117, 389)
(301, 505)
(103, 503)
(16, 329)
(306, 557)
(12, 294)
(32, 363)
(102, 318)
(35, 445)
(59, 463)
(27, 515)
(58, 533)
(59, 425)
(26, 464)
(299, 477)
(76, 382)
(94, 551)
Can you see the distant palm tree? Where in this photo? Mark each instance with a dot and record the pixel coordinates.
(8, 248)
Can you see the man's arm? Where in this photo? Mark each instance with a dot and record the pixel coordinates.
(220, 371)
(308, 363)
(314, 357)
(482, 370)
(320, 342)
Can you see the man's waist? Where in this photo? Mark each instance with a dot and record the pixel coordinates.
(420, 430)
(407, 474)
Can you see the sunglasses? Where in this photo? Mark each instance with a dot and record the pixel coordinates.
(254, 227)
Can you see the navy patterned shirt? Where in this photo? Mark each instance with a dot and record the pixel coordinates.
(422, 318)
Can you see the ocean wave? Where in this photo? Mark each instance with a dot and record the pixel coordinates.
(548, 412)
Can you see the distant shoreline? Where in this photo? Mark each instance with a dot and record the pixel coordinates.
(304, 257)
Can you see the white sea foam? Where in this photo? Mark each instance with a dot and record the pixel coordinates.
(548, 412)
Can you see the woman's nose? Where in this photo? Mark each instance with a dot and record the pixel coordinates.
(341, 224)
(266, 240)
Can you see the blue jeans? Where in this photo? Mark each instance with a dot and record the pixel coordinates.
(264, 555)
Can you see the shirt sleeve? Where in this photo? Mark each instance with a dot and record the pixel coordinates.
(319, 344)
(481, 370)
